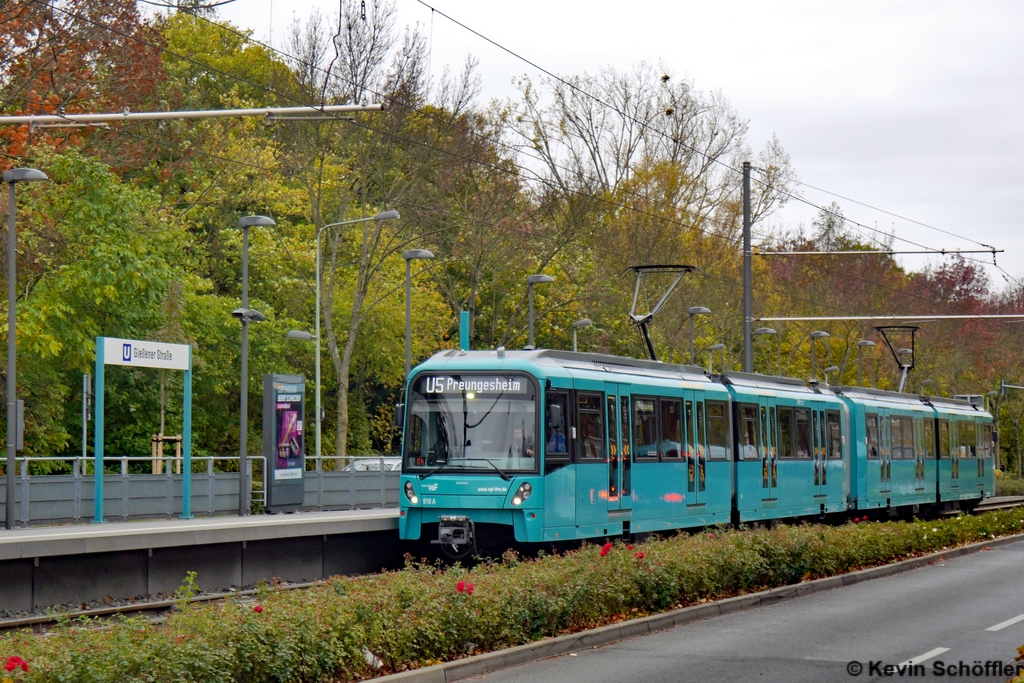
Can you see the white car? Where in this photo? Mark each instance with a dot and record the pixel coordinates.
(391, 464)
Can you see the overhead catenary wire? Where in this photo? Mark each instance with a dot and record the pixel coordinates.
(535, 176)
(603, 103)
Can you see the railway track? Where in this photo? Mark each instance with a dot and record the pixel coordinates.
(156, 609)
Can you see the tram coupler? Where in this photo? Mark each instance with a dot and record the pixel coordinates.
(455, 531)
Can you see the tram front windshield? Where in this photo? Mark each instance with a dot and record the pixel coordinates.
(471, 422)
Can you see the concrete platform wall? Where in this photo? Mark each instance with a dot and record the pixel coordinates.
(47, 581)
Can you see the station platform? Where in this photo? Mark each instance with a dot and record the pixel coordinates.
(46, 566)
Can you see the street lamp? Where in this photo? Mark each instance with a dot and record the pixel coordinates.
(301, 335)
(861, 345)
(532, 280)
(817, 334)
(927, 382)
(390, 214)
(12, 177)
(409, 255)
(826, 371)
(711, 357)
(767, 330)
(584, 322)
(246, 315)
(692, 311)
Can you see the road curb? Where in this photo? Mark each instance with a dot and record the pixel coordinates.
(573, 642)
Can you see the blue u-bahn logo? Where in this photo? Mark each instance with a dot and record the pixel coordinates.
(126, 352)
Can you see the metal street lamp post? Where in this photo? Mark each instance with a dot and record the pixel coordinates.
(829, 369)
(246, 315)
(711, 356)
(768, 330)
(584, 322)
(861, 345)
(390, 214)
(692, 311)
(817, 334)
(532, 280)
(409, 255)
(12, 177)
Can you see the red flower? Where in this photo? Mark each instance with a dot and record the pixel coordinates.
(856, 520)
(469, 588)
(605, 549)
(460, 587)
(629, 546)
(258, 609)
(638, 555)
(15, 662)
(710, 535)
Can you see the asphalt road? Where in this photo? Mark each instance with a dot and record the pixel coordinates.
(970, 610)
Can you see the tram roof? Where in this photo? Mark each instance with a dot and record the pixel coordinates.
(553, 358)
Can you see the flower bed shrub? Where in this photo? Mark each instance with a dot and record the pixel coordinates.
(346, 629)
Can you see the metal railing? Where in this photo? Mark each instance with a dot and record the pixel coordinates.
(68, 498)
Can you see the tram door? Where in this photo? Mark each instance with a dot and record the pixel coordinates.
(617, 411)
(769, 454)
(885, 454)
(695, 447)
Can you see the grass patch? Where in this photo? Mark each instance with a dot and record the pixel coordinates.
(348, 629)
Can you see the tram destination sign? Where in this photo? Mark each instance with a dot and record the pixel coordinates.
(461, 384)
(145, 354)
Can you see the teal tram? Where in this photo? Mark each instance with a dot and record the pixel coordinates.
(547, 446)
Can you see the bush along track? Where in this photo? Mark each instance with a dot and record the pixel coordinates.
(347, 629)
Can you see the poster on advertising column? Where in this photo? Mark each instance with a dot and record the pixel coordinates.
(283, 440)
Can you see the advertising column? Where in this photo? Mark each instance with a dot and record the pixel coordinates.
(284, 398)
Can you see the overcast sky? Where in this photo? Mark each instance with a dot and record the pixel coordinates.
(910, 106)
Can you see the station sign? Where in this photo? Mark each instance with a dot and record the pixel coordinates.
(145, 354)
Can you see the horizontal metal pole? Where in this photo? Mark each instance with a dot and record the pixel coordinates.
(926, 316)
(167, 115)
(941, 252)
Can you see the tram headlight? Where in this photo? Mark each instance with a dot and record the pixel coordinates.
(410, 493)
(522, 493)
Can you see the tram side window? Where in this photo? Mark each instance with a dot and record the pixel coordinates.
(835, 435)
(929, 438)
(802, 432)
(718, 436)
(750, 446)
(895, 437)
(702, 441)
(968, 436)
(785, 432)
(819, 433)
(689, 447)
(986, 441)
(557, 445)
(872, 435)
(414, 441)
(908, 438)
(590, 444)
(645, 429)
(944, 445)
(671, 429)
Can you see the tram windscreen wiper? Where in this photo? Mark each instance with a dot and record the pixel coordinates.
(500, 472)
(497, 469)
(434, 471)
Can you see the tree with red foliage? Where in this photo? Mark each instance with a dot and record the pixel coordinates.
(72, 56)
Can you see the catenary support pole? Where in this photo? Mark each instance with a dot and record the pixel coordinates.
(12, 468)
(748, 294)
